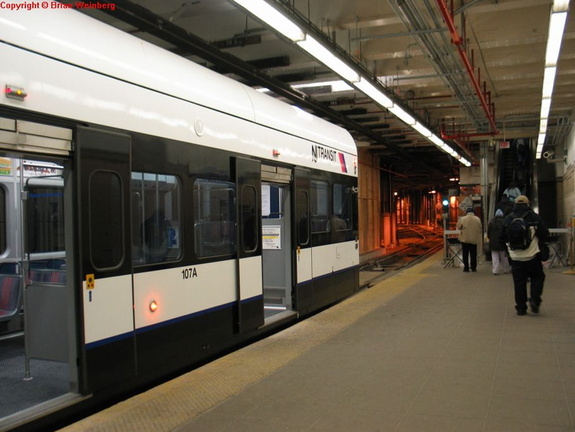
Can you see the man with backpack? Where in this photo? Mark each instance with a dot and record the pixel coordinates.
(525, 233)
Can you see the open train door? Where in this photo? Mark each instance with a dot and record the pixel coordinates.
(277, 242)
(104, 175)
(38, 339)
(250, 308)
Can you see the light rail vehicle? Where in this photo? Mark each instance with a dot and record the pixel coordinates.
(153, 214)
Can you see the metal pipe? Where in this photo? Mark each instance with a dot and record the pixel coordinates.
(458, 42)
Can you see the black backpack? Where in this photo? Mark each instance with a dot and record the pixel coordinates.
(518, 233)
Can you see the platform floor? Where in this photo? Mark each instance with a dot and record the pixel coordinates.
(428, 349)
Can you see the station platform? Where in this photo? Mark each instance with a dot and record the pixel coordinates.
(426, 349)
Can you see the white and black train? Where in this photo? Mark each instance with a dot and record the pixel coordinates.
(153, 214)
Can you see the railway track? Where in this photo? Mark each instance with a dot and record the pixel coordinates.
(415, 244)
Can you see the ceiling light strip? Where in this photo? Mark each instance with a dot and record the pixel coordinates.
(557, 20)
(285, 26)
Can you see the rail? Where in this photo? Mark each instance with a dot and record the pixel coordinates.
(416, 243)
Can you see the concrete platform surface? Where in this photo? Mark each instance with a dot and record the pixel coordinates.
(428, 349)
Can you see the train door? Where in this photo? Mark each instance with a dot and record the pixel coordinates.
(104, 180)
(38, 340)
(277, 242)
(303, 253)
(249, 261)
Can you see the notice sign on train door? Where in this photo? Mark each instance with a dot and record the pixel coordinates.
(271, 237)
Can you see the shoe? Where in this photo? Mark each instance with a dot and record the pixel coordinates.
(521, 312)
(466, 270)
(534, 306)
(473, 270)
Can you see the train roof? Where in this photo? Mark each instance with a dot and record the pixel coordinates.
(77, 39)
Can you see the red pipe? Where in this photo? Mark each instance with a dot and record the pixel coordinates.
(458, 42)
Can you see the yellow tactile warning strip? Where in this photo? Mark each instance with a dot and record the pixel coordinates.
(176, 402)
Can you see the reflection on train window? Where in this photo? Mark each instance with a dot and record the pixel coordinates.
(2, 220)
(155, 218)
(319, 206)
(106, 215)
(342, 208)
(45, 219)
(249, 219)
(214, 218)
(302, 209)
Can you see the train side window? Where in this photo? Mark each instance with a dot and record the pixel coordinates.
(249, 219)
(319, 206)
(155, 218)
(214, 218)
(342, 208)
(45, 215)
(302, 218)
(3, 233)
(106, 215)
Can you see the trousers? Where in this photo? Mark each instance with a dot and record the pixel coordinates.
(469, 254)
(500, 262)
(522, 272)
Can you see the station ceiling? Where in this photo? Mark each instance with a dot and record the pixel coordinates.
(408, 46)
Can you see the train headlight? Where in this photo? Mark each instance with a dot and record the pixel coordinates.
(153, 306)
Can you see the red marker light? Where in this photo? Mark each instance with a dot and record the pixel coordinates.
(13, 92)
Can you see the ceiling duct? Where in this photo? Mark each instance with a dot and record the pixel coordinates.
(240, 40)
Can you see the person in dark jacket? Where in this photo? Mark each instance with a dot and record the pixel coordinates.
(499, 259)
(526, 263)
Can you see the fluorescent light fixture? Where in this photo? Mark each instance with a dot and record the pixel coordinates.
(556, 28)
(273, 18)
(284, 25)
(560, 6)
(403, 115)
(549, 81)
(557, 22)
(373, 92)
(541, 139)
(437, 141)
(325, 56)
(545, 108)
(422, 130)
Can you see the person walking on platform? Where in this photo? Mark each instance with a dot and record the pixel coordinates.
(499, 260)
(525, 233)
(469, 236)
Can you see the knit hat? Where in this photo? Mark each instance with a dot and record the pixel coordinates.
(521, 199)
(498, 212)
